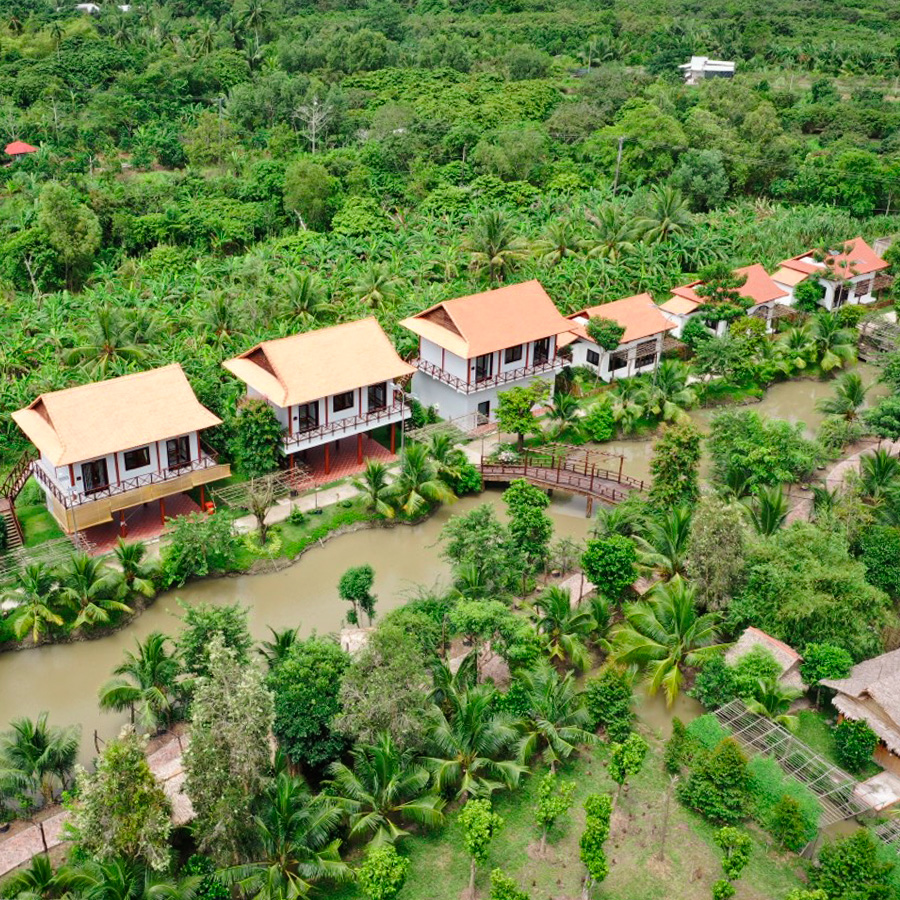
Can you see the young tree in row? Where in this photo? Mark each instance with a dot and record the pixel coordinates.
(554, 800)
(598, 808)
(383, 872)
(479, 824)
(627, 760)
(504, 888)
(735, 846)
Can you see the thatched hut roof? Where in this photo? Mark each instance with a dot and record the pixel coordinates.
(871, 694)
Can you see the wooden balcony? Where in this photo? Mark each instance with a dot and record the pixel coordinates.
(548, 367)
(81, 509)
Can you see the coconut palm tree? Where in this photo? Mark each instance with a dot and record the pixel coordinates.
(560, 240)
(628, 403)
(303, 298)
(35, 592)
(107, 345)
(665, 634)
(668, 213)
(36, 756)
(627, 519)
(384, 788)
(825, 499)
(446, 456)
(563, 629)
(137, 576)
(377, 285)
(664, 543)
(296, 848)
(797, 347)
(772, 699)
(121, 879)
(276, 651)
(89, 586)
(556, 721)
(493, 245)
(668, 394)
(375, 488)
(879, 472)
(612, 233)
(834, 346)
(849, 397)
(563, 411)
(768, 510)
(472, 744)
(418, 483)
(146, 683)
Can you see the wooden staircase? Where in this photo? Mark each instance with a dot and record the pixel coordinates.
(9, 490)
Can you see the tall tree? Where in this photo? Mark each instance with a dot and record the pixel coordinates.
(37, 756)
(71, 228)
(228, 757)
(493, 245)
(675, 466)
(121, 810)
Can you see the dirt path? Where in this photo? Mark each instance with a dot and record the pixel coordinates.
(835, 475)
(17, 848)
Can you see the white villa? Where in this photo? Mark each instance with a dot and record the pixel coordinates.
(112, 445)
(472, 348)
(639, 349)
(849, 275)
(702, 67)
(762, 289)
(329, 384)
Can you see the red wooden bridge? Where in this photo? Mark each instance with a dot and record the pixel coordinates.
(589, 473)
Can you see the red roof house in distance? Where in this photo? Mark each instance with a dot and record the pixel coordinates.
(760, 288)
(18, 149)
(472, 348)
(848, 273)
(640, 347)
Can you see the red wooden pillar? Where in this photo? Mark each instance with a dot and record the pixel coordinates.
(328, 459)
(359, 455)
(123, 528)
(162, 510)
(393, 437)
(202, 497)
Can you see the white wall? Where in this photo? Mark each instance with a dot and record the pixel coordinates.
(581, 347)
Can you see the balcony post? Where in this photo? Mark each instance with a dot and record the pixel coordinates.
(393, 437)
(162, 510)
(328, 459)
(123, 528)
(359, 446)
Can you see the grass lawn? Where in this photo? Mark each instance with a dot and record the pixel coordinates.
(817, 734)
(439, 866)
(38, 525)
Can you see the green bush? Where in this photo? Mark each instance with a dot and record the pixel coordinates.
(598, 424)
(719, 784)
(609, 699)
(706, 731)
(719, 683)
(768, 787)
(855, 743)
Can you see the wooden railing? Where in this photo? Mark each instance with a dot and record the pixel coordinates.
(15, 480)
(344, 425)
(587, 478)
(208, 460)
(548, 367)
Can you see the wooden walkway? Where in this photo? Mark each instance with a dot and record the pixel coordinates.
(586, 479)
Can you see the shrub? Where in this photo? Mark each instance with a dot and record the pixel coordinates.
(855, 743)
(807, 295)
(706, 731)
(879, 548)
(680, 748)
(790, 823)
(198, 544)
(609, 565)
(850, 868)
(718, 786)
(468, 481)
(609, 699)
(598, 424)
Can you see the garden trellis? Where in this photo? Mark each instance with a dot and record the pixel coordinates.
(840, 795)
(460, 428)
(276, 485)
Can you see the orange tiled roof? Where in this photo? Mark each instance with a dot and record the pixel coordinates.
(859, 259)
(493, 320)
(639, 315)
(305, 367)
(759, 287)
(92, 420)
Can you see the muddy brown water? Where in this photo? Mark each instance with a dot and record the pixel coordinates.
(794, 401)
(64, 679)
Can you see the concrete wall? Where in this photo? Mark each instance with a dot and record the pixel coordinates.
(580, 349)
